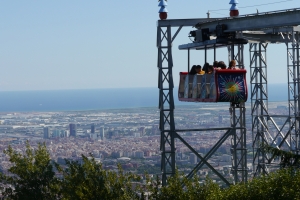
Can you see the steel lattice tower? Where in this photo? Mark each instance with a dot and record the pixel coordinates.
(260, 29)
(166, 102)
(293, 70)
(259, 104)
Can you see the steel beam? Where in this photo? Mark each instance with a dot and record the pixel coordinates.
(255, 21)
(182, 22)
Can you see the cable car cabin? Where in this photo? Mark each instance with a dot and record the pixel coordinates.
(224, 85)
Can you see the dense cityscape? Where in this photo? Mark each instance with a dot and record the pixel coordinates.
(130, 137)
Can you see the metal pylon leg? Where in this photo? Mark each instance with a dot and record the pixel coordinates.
(238, 123)
(238, 142)
(166, 102)
(259, 105)
(294, 89)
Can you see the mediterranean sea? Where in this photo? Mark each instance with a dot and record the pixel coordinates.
(98, 99)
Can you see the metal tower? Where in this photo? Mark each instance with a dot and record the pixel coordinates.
(260, 29)
(238, 123)
(237, 131)
(292, 43)
(166, 102)
(259, 104)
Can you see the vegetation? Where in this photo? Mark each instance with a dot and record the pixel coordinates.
(89, 181)
(147, 168)
(34, 176)
(287, 158)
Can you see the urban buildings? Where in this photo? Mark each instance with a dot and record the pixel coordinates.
(46, 133)
(130, 134)
(73, 131)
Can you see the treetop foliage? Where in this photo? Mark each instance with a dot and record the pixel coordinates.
(287, 158)
(33, 175)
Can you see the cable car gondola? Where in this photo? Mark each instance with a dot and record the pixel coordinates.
(223, 85)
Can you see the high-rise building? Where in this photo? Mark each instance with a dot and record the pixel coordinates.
(55, 133)
(102, 134)
(93, 135)
(193, 158)
(67, 133)
(73, 130)
(142, 131)
(62, 133)
(220, 119)
(93, 128)
(46, 133)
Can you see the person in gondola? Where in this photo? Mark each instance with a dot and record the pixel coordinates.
(199, 70)
(222, 65)
(205, 68)
(193, 71)
(232, 65)
(216, 64)
(210, 69)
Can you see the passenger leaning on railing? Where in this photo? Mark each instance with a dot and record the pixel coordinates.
(210, 69)
(205, 67)
(199, 70)
(193, 70)
(196, 69)
(222, 65)
(216, 64)
(232, 65)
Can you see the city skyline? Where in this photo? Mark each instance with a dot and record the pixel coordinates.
(128, 136)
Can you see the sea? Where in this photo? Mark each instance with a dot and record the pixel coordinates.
(99, 99)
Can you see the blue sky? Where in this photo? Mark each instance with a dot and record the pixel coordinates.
(75, 44)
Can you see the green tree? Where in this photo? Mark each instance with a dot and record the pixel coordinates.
(181, 188)
(279, 185)
(88, 180)
(287, 158)
(32, 175)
